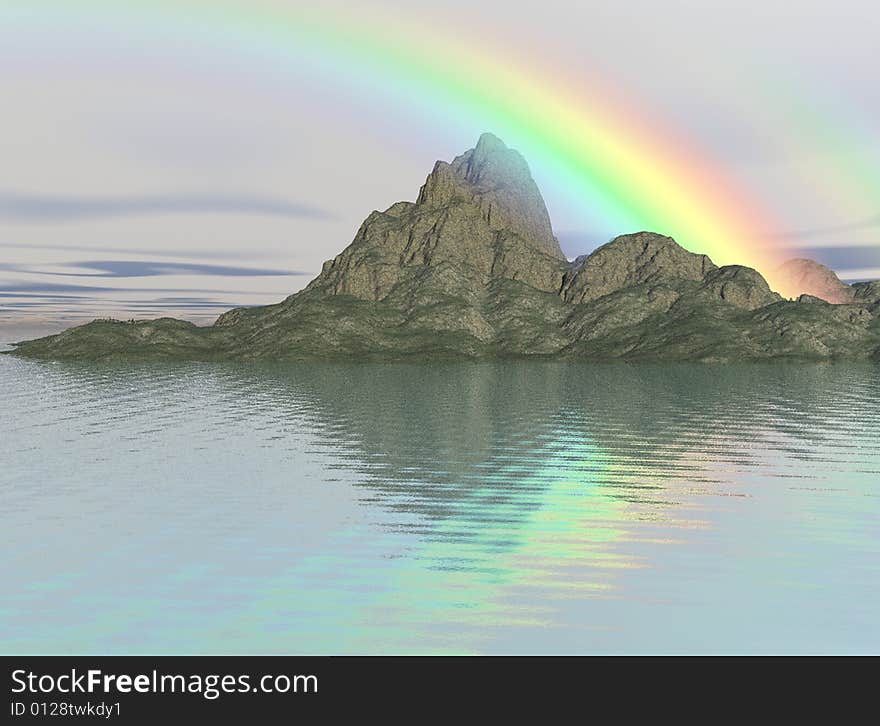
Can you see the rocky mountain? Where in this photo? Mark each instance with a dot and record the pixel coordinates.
(811, 278)
(471, 269)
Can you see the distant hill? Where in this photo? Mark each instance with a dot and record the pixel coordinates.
(811, 278)
(471, 269)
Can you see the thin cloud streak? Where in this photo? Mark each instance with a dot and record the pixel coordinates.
(49, 209)
(859, 225)
(842, 258)
(153, 268)
(16, 288)
(860, 274)
(121, 249)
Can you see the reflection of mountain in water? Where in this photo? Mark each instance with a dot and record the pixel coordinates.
(439, 423)
(504, 507)
(537, 485)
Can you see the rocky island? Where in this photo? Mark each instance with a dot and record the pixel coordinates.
(472, 269)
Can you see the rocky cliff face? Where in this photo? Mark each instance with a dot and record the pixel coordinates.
(472, 269)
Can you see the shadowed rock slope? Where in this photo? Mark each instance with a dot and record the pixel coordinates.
(472, 270)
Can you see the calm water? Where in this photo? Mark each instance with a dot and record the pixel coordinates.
(514, 508)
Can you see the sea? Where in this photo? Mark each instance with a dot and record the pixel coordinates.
(475, 507)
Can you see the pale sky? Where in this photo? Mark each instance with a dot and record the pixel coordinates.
(139, 179)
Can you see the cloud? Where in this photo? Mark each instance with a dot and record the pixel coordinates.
(10, 289)
(211, 306)
(856, 226)
(91, 301)
(843, 258)
(152, 268)
(117, 249)
(18, 289)
(860, 274)
(41, 208)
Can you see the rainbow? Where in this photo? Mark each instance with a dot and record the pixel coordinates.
(621, 166)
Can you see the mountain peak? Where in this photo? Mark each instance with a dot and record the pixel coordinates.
(492, 163)
(481, 214)
(489, 142)
(496, 178)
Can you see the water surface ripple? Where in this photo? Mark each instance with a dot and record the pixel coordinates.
(463, 508)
